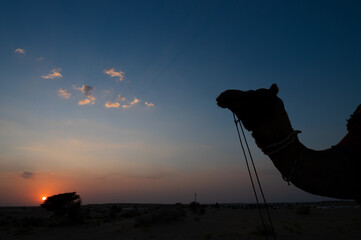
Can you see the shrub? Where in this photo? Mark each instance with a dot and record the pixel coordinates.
(196, 208)
(65, 204)
(216, 206)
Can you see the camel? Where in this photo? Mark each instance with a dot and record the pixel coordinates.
(334, 172)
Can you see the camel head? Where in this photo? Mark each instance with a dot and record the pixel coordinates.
(251, 107)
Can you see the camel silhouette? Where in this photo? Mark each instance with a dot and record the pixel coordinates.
(334, 172)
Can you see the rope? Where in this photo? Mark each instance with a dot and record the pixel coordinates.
(290, 175)
(257, 179)
(280, 145)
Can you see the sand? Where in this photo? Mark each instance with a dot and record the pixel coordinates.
(180, 222)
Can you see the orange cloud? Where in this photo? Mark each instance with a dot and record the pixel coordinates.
(112, 105)
(87, 91)
(131, 104)
(55, 73)
(120, 98)
(19, 50)
(92, 99)
(63, 93)
(112, 73)
(149, 104)
(84, 102)
(135, 101)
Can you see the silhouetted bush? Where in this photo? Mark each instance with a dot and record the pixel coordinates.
(196, 208)
(216, 206)
(179, 205)
(65, 204)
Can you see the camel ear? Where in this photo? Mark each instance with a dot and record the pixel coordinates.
(274, 89)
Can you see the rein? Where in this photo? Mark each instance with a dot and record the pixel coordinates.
(268, 150)
(266, 229)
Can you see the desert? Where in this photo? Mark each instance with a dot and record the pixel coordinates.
(323, 220)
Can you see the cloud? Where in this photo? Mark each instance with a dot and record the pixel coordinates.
(135, 101)
(112, 105)
(85, 89)
(131, 104)
(19, 50)
(112, 73)
(86, 101)
(120, 98)
(27, 175)
(149, 104)
(39, 59)
(55, 73)
(63, 93)
(92, 98)
(115, 104)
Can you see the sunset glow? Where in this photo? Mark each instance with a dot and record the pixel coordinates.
(116, 100)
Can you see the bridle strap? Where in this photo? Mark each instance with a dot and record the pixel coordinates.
(278, 146)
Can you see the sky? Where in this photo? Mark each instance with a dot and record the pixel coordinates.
(115, 100)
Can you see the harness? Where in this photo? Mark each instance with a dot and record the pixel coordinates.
(279, 146)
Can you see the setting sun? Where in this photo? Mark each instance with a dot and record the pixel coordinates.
(44, 198)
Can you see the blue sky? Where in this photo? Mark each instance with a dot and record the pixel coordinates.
(176, 56)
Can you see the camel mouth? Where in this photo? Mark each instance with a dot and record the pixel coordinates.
(227, 98)
(221, 103)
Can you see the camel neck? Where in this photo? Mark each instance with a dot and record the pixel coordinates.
(277, 139)
(281, 145)
(274, 131)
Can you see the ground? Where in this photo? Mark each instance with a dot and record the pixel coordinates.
(117, 221)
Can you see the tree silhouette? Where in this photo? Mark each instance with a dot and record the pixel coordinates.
(64, 204)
